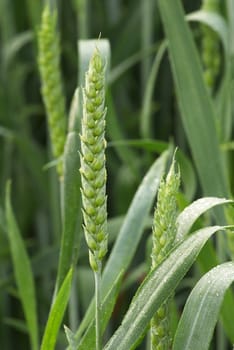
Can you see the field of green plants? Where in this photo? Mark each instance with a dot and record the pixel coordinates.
(117, 175)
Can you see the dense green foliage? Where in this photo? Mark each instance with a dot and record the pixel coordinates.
(168, 80)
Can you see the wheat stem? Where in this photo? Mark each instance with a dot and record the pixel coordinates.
(98, 308)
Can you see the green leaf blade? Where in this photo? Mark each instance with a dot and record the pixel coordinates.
(156, 288)
(147, 100)
(201, 311)
(23, 272)
(197, 110)
(56, 314)
(71, 207)
(214, 21)
(192, 212)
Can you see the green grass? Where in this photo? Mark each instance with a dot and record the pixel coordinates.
(169, 75)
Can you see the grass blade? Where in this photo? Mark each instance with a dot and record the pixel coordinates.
(230, 14)
(202, 309)
(128, 63)
(56, 314)
(23, 272)
(156, 288)
(147, 99)
(207, 260)
(71, 206)
(146, 144)
(195, 103)
(147, 20)
(16, 44)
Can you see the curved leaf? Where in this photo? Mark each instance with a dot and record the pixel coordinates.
(191, 213)
(207, 260)
(213, 20)
(16, 44)
(202, 309)
(156, 288)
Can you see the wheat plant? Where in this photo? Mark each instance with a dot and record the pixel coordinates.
(156, 272)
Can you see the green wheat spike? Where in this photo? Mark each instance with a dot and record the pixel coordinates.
(93, 170)
(164, 232)
(52, 92)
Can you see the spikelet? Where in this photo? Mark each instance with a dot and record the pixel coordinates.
(210, 47)
(93, 171)
(48, 60)
(164, 231)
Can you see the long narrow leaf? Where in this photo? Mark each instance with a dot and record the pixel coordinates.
(23, 272)
(146, 144)
(202, 309)
(207, 260)
(147, 21)
(56, 314)
(128, 63)
(195, 103)
(147, 100)
(156, 288)
(71, 206)
(230, 14)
